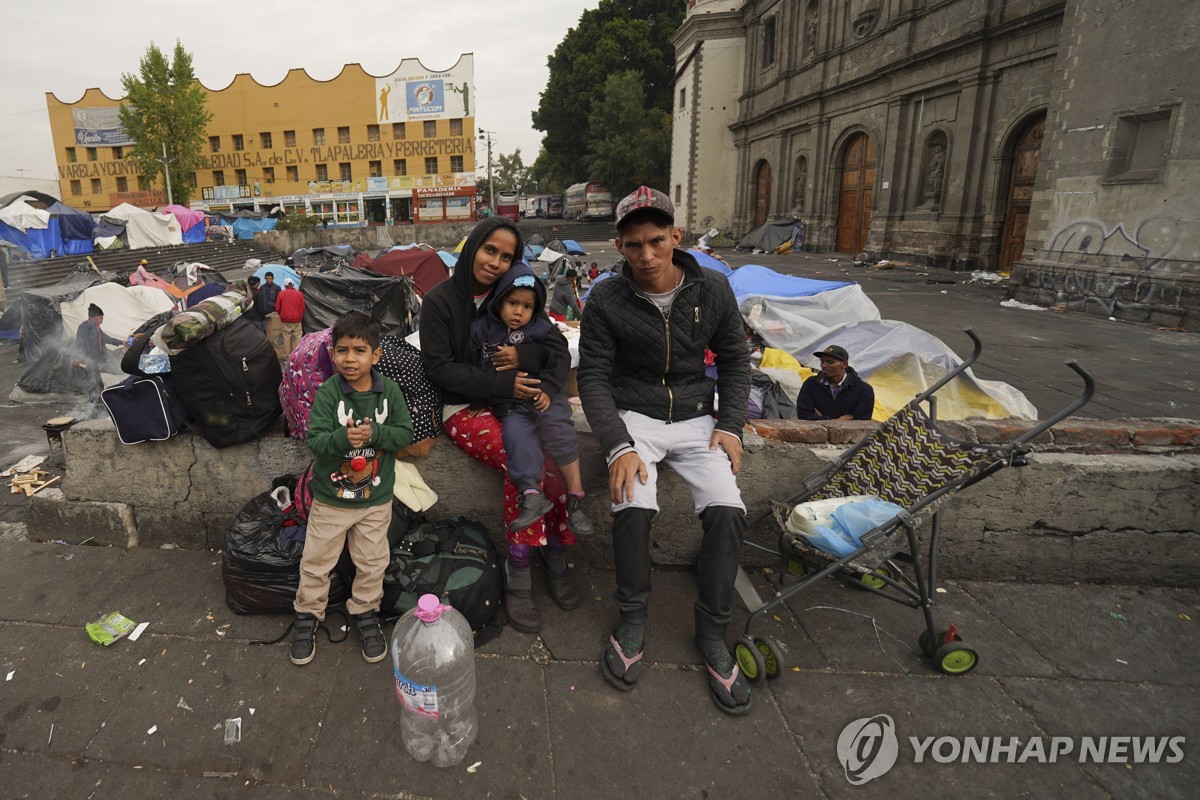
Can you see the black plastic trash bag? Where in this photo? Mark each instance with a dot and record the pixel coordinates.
(260, 568)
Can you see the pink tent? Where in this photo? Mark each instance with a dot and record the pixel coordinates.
(188, 218)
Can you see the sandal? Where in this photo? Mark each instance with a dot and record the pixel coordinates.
(725, 691)
(631, 668)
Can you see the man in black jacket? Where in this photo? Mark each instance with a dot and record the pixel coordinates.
(648, 400)
(836, 392)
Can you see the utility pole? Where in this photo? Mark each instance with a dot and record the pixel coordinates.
(487, 135)
(167, 174)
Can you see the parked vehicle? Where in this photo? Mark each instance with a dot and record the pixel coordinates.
(553, 208)
(588, 200)
(508, 205)
(530, 207)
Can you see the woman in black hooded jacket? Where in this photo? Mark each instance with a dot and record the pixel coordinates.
(451, 362)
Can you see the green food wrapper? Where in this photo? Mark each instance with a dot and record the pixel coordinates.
(109, 628)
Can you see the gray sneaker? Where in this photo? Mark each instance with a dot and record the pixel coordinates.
(577, 518)
(534, 506)
(304, 639)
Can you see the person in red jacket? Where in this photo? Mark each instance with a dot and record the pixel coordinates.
(290, 306)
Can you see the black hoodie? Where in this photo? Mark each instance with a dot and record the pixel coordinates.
(488, 332)
(451, 361)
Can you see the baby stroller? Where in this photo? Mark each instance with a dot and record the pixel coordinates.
(908, 461)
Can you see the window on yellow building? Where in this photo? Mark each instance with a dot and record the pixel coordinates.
(456, 127)
(322, 172)
(118, 153)
(76, 186)
(318, 136)
(344, 171)
(431, 165)
(71, 157)
(144, 183)
(293, 174)
(240, 175)
(268, 174)
(398, 131)
(375, 168)
(456, 163)
(372, 133)
(289, 138)
(264, 141)
(399, 166)
(218, 177)
(91, 154)
(122, 184)
(214, 144)
(239, 143)
(95, 186)
(344, 135)
(430, 129)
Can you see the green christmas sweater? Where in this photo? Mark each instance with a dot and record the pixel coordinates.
(352, 477)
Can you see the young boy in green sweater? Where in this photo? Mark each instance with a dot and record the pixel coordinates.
(359, 418)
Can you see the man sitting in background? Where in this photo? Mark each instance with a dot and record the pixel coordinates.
(836, 392)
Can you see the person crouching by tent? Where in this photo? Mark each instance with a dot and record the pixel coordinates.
(290, 307)
(564, 303)
(836, 392)
(90, 352)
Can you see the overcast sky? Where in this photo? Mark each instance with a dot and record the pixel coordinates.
(67, 46)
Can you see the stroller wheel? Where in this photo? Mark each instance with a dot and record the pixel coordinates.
(928, 644)
(749, 659)
(955, 658)
(874, 578)
(772, 656)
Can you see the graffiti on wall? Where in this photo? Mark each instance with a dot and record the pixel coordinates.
(1143, 245)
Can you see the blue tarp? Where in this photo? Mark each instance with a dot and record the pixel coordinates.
(74, 224)
(449, 259)
(573, 247)
(281, 273)
(38, 242)
(108, 227)
(705, 260)
(75, 247)
(753, 279)
(196, 234)
(244, 228)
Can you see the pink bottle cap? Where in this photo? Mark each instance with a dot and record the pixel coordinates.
(429, 608)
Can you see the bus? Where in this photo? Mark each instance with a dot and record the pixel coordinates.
(588, 200)
(508, 205)
(553, 207)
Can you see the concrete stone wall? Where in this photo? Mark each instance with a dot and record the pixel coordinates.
(372, 237)
(1105, 501)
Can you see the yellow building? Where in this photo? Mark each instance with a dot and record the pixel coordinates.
(355, 149)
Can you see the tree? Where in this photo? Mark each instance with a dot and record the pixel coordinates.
(511, 172)
(618, 36)
(629, 144)
(166, 105)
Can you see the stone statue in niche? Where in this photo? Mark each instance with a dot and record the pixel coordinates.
(933, 173)
(801, 185)
(864, 23)
(810, 29)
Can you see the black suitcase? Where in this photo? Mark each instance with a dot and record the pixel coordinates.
(229, 382)
(145, 409)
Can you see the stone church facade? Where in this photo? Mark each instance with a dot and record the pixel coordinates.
(966, 134)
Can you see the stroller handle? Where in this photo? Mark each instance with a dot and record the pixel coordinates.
(954, 373)
(1089, 390)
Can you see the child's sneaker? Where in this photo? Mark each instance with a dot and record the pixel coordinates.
(534, 506)
(371, 635)
(304, 639)
(577, 518)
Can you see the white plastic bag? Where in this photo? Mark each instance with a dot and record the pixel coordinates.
(850, 522)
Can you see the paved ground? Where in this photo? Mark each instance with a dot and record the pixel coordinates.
(1056, 661)
(146, 718)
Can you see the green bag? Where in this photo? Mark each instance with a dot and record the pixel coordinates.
(453, 559)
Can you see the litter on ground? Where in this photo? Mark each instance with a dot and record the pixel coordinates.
(1024, 306)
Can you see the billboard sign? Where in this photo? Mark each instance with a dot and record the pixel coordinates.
(99, 126)
(414, 92)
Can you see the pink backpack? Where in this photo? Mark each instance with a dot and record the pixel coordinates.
(309, 365)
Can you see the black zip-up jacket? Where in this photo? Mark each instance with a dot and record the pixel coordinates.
(855, 397)
(450, 359)
(633, 358)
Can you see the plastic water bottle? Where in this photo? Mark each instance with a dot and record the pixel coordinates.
(433, 658)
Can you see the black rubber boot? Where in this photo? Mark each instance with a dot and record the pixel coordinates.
(518, 600)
